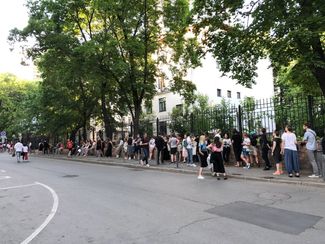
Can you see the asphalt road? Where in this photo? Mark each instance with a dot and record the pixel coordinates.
(53, 201)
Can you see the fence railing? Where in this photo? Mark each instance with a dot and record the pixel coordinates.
(251, 115)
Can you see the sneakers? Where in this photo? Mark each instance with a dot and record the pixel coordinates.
(148, 165)
(200, 177)
(191, 165)
(277, 173)
(248, 166)
(313, 176)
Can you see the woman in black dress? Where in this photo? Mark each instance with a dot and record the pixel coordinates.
(236, 141)
(203, 154)
(276, 152)
(216, 158)
(109, 148)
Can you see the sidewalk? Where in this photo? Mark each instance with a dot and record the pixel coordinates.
(256, 174)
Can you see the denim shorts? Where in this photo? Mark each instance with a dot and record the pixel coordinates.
(245, 152)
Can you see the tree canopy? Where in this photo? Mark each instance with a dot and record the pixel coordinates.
(240, 32)
(113, 48)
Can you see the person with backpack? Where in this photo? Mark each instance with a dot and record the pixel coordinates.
(265, 146)
(254, 149)
(311, 146)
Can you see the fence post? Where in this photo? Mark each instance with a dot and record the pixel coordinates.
(239, 117)
(192, 122)
(157, 125)
(123, 130)
(310, 102)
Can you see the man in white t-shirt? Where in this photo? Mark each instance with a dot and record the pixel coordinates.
(18, 150)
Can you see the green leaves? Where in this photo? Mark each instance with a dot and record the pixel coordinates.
(239, 33)
(19, 104)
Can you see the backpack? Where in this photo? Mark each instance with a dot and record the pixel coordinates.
(253, 139)
(185, 143)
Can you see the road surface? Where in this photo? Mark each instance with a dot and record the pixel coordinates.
(54, 201)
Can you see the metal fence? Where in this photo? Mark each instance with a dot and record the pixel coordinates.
(250, 115)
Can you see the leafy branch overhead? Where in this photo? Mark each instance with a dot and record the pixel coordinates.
(240, 32)
(113, 49)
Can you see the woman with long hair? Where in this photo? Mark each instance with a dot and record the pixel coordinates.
(289, 149)
(203, 154)
(216, 158)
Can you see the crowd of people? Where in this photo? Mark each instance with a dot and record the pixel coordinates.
(18, 149)
(210, 150)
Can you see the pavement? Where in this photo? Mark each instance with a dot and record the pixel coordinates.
(254, 173)
(51, 200)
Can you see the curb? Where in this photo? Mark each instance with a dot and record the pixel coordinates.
(184, 171)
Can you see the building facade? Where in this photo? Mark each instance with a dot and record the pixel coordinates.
(209, 81)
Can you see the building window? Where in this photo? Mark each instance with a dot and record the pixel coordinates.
(179, 106)
(162, 127)
(148, 107)
(229, 94)
(161, 83)
(219, 92)
(238, 95)
(162, 104)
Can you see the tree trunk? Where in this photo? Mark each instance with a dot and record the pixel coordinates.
(320, 76)
(136, 119)
(84, 131)
(74, 133)
(108, 119)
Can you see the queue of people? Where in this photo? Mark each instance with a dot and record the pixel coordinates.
(210, 150)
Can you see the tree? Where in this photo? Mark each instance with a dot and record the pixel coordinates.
(118, 42)
(19, 102)
(239, 33)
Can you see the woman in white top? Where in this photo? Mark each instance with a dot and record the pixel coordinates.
(226, 147)
(289, 149)
(152, 145)
(245, 152)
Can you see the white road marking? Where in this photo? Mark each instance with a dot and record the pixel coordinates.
(49, 217)
(4, 177)
(15, 187)
(2, 171)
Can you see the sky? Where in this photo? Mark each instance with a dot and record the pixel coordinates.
(13, 14)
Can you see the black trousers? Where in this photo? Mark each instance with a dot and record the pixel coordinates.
(265, 157)
(226, 153)
(160, 155)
